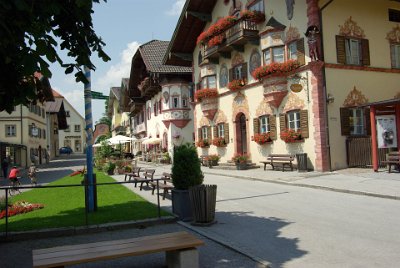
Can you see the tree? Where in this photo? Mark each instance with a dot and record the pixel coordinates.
(30, 32)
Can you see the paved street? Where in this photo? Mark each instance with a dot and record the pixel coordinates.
(282, 219)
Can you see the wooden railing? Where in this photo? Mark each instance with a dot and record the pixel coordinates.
(359, 152)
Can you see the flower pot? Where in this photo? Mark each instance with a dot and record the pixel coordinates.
(241, 166)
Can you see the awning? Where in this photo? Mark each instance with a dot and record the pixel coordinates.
(152, 141)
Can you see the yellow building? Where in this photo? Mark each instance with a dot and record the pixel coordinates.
(279, 77)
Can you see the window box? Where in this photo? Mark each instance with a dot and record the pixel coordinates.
(203, 144)
(219, 142)
(237, 84)
(262, 138)
(206, 93)
(276, 69)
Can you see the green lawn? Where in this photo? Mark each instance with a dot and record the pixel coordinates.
(65, 207)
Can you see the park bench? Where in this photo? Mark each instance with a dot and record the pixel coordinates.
(134, 174)
(146, 177)
(180, 248)
(166, 185)
(392, 159)
(279, 159)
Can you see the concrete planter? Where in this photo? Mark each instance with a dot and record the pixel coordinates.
(181, 205)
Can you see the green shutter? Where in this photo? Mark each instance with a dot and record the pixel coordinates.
(272, 127)
(226, 133)
(340, 49)
(345, 121)
(304, 123)
(365, 52)
(256, 126)
(301, 51)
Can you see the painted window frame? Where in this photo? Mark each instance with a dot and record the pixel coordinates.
(271, 53)
(204, 133)
(265, 126)
(221, 130)
(11, 130)
(205, 82)
(77, 128)
(293, 120)
(395, 55)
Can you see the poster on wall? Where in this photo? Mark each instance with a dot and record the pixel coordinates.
(386, 131)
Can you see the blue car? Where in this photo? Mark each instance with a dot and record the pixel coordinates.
(65, 150)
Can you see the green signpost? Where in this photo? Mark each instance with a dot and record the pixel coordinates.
(98, 95)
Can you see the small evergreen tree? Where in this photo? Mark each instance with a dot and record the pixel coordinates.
(186, 171)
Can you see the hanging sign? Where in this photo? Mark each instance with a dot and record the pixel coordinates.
(386, 131)
(296, 88)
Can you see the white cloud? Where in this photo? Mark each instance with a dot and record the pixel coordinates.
(117, 71)
(176, 8)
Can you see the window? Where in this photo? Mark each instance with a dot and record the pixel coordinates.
(175, 102)
(209, 82)
(184, 102)
(67, 114)
(11, 130)
(293, 118)
(67, 129)
(394, 15)
(44, 134)
(357, 121)
(238, 72)
(67, 143)
(395, 55)
(221, 130)
(352, 51)
(257, 5)
(264, 124)
(292, 51)
(77, 128)
(274, 54)
(204, 133)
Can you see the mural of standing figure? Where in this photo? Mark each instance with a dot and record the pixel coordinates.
(289, 8)
(312, 34)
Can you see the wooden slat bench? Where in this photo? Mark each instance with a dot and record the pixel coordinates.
(279, 159)
(135, 173)
(146, 177)
(165, 185)
(180, 248)
(392, 159)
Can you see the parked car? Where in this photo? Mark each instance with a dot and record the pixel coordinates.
(66, 150)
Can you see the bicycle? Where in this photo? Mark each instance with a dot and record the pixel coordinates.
(13, 189)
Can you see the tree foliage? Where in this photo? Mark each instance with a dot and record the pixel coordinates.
(31, 31)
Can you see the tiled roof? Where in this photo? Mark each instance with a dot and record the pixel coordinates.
(153, 53)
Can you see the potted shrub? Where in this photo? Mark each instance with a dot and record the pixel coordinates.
(212, 159)
(186, 173)
(241, 161)
(119, 166)
(109, 168)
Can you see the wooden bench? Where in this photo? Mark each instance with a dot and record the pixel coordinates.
(165, 186)
(180, 248)
(279, 159)
(392, 159)
(146, 177)
(134, 173)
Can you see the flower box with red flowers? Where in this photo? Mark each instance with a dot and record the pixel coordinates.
(291, 135)
(203, 143)
(206, 93)
(262, 138)
(254, 16)
(219, 142)
(275, 68)
(237, 84)
(217, 28)
(216, 40)
(240, 158)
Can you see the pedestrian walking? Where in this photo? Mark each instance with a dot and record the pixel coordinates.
(32, 173)
(4, 167)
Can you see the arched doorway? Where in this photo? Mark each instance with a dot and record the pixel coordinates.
(241, 134)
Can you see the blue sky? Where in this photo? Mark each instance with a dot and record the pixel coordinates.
(123, 25)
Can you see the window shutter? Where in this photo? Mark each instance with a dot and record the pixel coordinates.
(256, 126)
(159, 106)
(300, 51)
(198, 85)
(226, 133)
(272, 126)
(282, 122)
(367, 121)
(304, 123)
(209, 133)
(199, 132)
(215, 132)
(365, 52)
(230, 75)
(244, 71)
(393, 55)
(340, 49)
(345, 121)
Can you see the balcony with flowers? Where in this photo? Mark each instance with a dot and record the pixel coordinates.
(230, 33)
(237, 84)
(291, 136)
(262, 138)
(209, 101)
(219, 142)
(274, 79)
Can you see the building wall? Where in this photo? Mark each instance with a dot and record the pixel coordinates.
(372, 83)
(75, 138)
